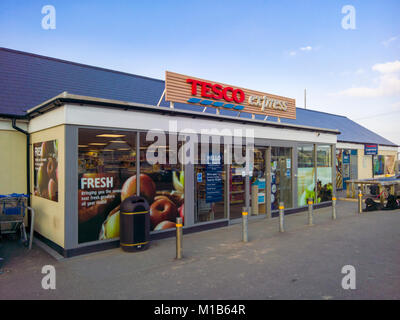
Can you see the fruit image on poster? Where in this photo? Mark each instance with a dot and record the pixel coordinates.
(101, 194)
(98, 197)
(45, 163)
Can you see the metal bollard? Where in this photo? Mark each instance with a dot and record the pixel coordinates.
(245, 236)
(179, 238)
(333, 208)
(281, 217)
(310, 212)
(360, 195)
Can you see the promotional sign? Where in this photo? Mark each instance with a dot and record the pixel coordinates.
(379, 165)
(100, 196)
(186, 89)
(214, 185)
(46, 169)
(370, 149)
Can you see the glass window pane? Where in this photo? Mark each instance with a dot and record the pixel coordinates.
(162, 179)
(210, 176)
(281, 177)
(258, 183)
(305, 174)
(324, 173)
(106, 161)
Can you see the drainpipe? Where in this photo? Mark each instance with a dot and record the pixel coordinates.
(28, 179)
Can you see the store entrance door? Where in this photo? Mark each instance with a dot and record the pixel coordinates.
(209, 186)
(281, 177)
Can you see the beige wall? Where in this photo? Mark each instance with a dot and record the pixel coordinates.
(12, 162)
(50, 215)
(364, 165)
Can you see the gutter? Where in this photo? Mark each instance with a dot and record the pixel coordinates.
(28, 178)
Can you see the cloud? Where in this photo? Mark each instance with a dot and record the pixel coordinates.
(308, 48)
(389, 67)
(388, 82)
(396, 106)
(360, 71)
(386, 43)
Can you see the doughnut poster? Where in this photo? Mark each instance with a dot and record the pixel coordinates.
(46, 170)
(100, 196)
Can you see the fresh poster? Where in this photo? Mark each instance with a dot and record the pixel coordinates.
(45, 163)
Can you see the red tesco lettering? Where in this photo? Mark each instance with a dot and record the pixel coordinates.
(216, 91)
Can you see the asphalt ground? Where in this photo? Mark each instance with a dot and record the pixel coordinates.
(304, 262)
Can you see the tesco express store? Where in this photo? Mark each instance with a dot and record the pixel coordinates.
(87, 154)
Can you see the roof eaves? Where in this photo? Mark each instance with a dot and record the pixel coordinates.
(71, 98)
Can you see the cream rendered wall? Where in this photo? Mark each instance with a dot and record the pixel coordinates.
(364, 165)
(50, 215)
(12, 158)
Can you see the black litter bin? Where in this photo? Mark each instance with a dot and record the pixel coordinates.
(134, 224)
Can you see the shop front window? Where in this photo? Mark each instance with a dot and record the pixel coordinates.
(324, 173)
(106, 161)
(162, 180)
(390, 165)
(305, 174)
(379, 165)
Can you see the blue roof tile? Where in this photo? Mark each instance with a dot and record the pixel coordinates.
(27, 80)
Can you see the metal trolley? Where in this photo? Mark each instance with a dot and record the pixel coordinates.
(12, 213)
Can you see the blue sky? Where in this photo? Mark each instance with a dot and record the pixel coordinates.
(278, 47)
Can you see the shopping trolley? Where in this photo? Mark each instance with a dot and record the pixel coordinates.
(12, 213)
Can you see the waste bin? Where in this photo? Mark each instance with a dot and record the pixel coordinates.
(134, 224)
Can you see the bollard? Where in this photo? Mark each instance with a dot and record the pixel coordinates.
(333, 208)
(310, 211)
(281, 217)
(360, 201)
(245, 236)
(179, 238)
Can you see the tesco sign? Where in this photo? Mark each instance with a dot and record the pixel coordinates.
(190, 90)
(216, 91)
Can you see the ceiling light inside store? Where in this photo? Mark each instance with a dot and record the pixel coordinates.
(124, 149)
(82, 146)
(97, 144)
(109, 135)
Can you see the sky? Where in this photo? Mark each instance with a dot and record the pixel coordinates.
(347, 59)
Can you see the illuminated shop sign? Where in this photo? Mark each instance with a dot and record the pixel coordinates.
(190, 90)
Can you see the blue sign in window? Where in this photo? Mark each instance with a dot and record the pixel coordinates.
(371, 149)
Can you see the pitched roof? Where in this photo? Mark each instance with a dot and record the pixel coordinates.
(27, 80)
